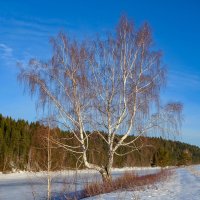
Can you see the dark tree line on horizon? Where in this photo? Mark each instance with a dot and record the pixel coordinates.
(23, 147)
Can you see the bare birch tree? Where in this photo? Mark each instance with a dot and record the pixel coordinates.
(109, 85)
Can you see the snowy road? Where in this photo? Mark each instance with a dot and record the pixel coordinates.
(184, 185)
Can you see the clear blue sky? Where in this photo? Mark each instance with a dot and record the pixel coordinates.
(27, 25)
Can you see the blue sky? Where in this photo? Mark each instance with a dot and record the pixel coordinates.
(26, 27)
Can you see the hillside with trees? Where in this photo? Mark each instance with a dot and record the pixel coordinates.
(23, 147)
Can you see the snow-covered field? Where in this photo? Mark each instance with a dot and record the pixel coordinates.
(27, 185)
(184, 185)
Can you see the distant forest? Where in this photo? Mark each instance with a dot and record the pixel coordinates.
(23, 146)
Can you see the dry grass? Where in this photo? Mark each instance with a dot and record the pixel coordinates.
(127, 181)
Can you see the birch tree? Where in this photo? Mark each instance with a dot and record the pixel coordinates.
(111, 84)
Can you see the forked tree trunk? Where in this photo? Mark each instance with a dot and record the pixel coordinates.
(106, 175)
(106, 171)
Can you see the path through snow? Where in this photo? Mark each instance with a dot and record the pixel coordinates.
(183, 185)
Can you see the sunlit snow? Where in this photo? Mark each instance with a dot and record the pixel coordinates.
(183, 185)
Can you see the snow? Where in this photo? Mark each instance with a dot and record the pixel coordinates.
(29, 185)
(183, 185)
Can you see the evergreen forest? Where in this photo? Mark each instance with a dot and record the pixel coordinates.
(23, 146)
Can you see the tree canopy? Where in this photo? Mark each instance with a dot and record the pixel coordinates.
(110, 84)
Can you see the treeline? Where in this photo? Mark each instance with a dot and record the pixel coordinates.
(23, 146)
